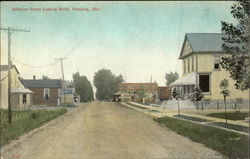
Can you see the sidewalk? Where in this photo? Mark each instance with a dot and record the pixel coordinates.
(156, 112)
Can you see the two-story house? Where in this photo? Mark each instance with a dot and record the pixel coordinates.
(21, 97)
(201, 55)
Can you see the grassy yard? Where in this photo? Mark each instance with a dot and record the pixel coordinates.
(230, 115)
(24, 121)
(230, 144)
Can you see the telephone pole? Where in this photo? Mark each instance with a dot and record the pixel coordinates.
(9, 31)
(61, 60)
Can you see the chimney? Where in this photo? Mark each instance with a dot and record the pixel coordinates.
(34, 77)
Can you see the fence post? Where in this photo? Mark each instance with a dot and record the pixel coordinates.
(218, 106)
(235, 106)
(201, 105)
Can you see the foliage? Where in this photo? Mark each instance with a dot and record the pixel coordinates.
(24, 121)
(83, 87)
(197, 94)
(141, 93)
(171, 77)
(175, 94)
(231, 144)
(223, 85)
(106, 84)
(44, 77)
(236, 42)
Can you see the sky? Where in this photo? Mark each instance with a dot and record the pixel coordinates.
(135, 39)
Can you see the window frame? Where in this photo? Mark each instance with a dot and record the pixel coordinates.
(44, 93)
(24, 101)
(217, 61)
(209, 81)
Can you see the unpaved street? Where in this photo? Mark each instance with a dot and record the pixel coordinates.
(106, 131)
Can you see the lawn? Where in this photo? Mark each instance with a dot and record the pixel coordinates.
(24, 121)
(230, 144)
(230, 115)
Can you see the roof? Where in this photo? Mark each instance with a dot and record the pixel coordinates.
(43, 83)
(68, 90)
(137, 86)
(6, 67)
(189, 79)
(204, 42)
(21, 90)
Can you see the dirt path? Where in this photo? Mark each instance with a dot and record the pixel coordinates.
(106, 131)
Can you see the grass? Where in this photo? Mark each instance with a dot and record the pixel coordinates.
(230, 115)
(230, 144)
(24, 121)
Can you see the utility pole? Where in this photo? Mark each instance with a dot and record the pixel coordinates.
(9, 31)
(61, 60)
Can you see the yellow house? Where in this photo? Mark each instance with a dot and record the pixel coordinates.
(201, 55)
(20, 96)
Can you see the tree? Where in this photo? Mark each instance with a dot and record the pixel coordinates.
(44, 77)
(223, 85)
(106, 84)
(197, 95)
(171, 77)
(176, 95)
(236, 42)
(83, 87)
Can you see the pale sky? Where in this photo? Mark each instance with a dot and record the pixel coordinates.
(135, 39)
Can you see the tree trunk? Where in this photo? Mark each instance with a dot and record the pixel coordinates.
(225, 108)
(178, 107)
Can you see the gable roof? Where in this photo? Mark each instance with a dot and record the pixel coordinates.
(6, 67)
(137, 86)
(204, 42)
(43, 83)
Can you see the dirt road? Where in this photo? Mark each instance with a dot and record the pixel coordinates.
(106, 131)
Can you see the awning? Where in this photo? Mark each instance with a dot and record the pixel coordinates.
(189, 79)
(21, 90)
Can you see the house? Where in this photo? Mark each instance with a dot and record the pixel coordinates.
(138, 92)
(201, 54)
(21, 97)
(46, 91)
(69, 96)
(164, 93)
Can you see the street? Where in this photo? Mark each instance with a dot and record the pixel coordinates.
(104, 130)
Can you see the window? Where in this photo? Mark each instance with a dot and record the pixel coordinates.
(46, 92)
(216, 62)
(188, 66)
(204, 81)
(24, 98)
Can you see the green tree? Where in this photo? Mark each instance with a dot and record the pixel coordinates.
(236, 42)
(176, 95)
(44, 77)
(223, 85)
(171, 77)
(106, 84)
(83, 87)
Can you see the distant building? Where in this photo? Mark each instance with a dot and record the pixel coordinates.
(71, 97)
(201, 54)
(46, 91)
(138, 92)
(21, 97)
(164, 93)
